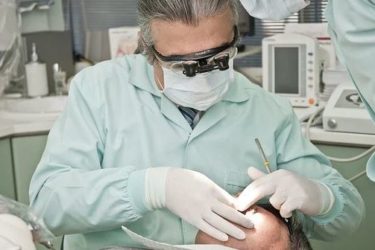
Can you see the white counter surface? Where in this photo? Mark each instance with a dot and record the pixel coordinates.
(12, 124)
(16, 123)
(29, 116)
(318, 135)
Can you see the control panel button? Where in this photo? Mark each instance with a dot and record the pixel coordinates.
(332, 123)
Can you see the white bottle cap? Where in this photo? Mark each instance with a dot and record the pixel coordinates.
(34, 55)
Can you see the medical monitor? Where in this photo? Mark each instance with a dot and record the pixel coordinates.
(291, 68)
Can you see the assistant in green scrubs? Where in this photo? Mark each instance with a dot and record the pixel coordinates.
(352, 26)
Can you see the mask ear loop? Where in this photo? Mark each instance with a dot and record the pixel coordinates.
(156, 78)
(156, 64)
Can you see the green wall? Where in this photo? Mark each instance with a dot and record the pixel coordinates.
(364, 238)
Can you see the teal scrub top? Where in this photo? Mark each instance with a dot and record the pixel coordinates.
(352, 27)
(90, 180)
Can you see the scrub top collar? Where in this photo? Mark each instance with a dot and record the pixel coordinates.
(236, 92)
(143, 76)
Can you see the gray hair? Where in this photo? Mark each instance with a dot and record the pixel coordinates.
(297, 237)
(187, 11)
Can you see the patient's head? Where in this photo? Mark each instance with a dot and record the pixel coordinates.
(270, 232)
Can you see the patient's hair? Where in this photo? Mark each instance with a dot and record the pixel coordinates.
(297, 237)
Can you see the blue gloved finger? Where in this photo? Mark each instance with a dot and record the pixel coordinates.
(257, 190)
(212, 231)
(232, 215)
(224, 226)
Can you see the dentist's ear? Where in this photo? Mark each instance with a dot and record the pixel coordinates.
(141, 48)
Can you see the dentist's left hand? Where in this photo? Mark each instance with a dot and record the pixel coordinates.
(288, 191)
(196, 199)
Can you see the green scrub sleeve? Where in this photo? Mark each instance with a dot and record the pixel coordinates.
(351, 26)
(136, 189)
(297, 154)
(70, 189)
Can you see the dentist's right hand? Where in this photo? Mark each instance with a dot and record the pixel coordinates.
(196, 199)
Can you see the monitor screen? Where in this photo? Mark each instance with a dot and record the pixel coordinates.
(286, 70)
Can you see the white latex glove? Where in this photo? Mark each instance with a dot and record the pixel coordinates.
(289, 191)
(196, 199)
(14, 234)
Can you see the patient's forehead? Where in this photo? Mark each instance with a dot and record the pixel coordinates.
(265, 221)
(269, 232)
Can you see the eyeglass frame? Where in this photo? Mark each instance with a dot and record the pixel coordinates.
(194, 63)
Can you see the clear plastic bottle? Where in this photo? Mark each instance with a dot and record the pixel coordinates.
(59, 78)
(36, 75)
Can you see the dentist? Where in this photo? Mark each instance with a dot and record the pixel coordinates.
(161, 141)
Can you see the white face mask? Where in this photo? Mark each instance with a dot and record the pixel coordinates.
(199, 92)
(273, 9)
